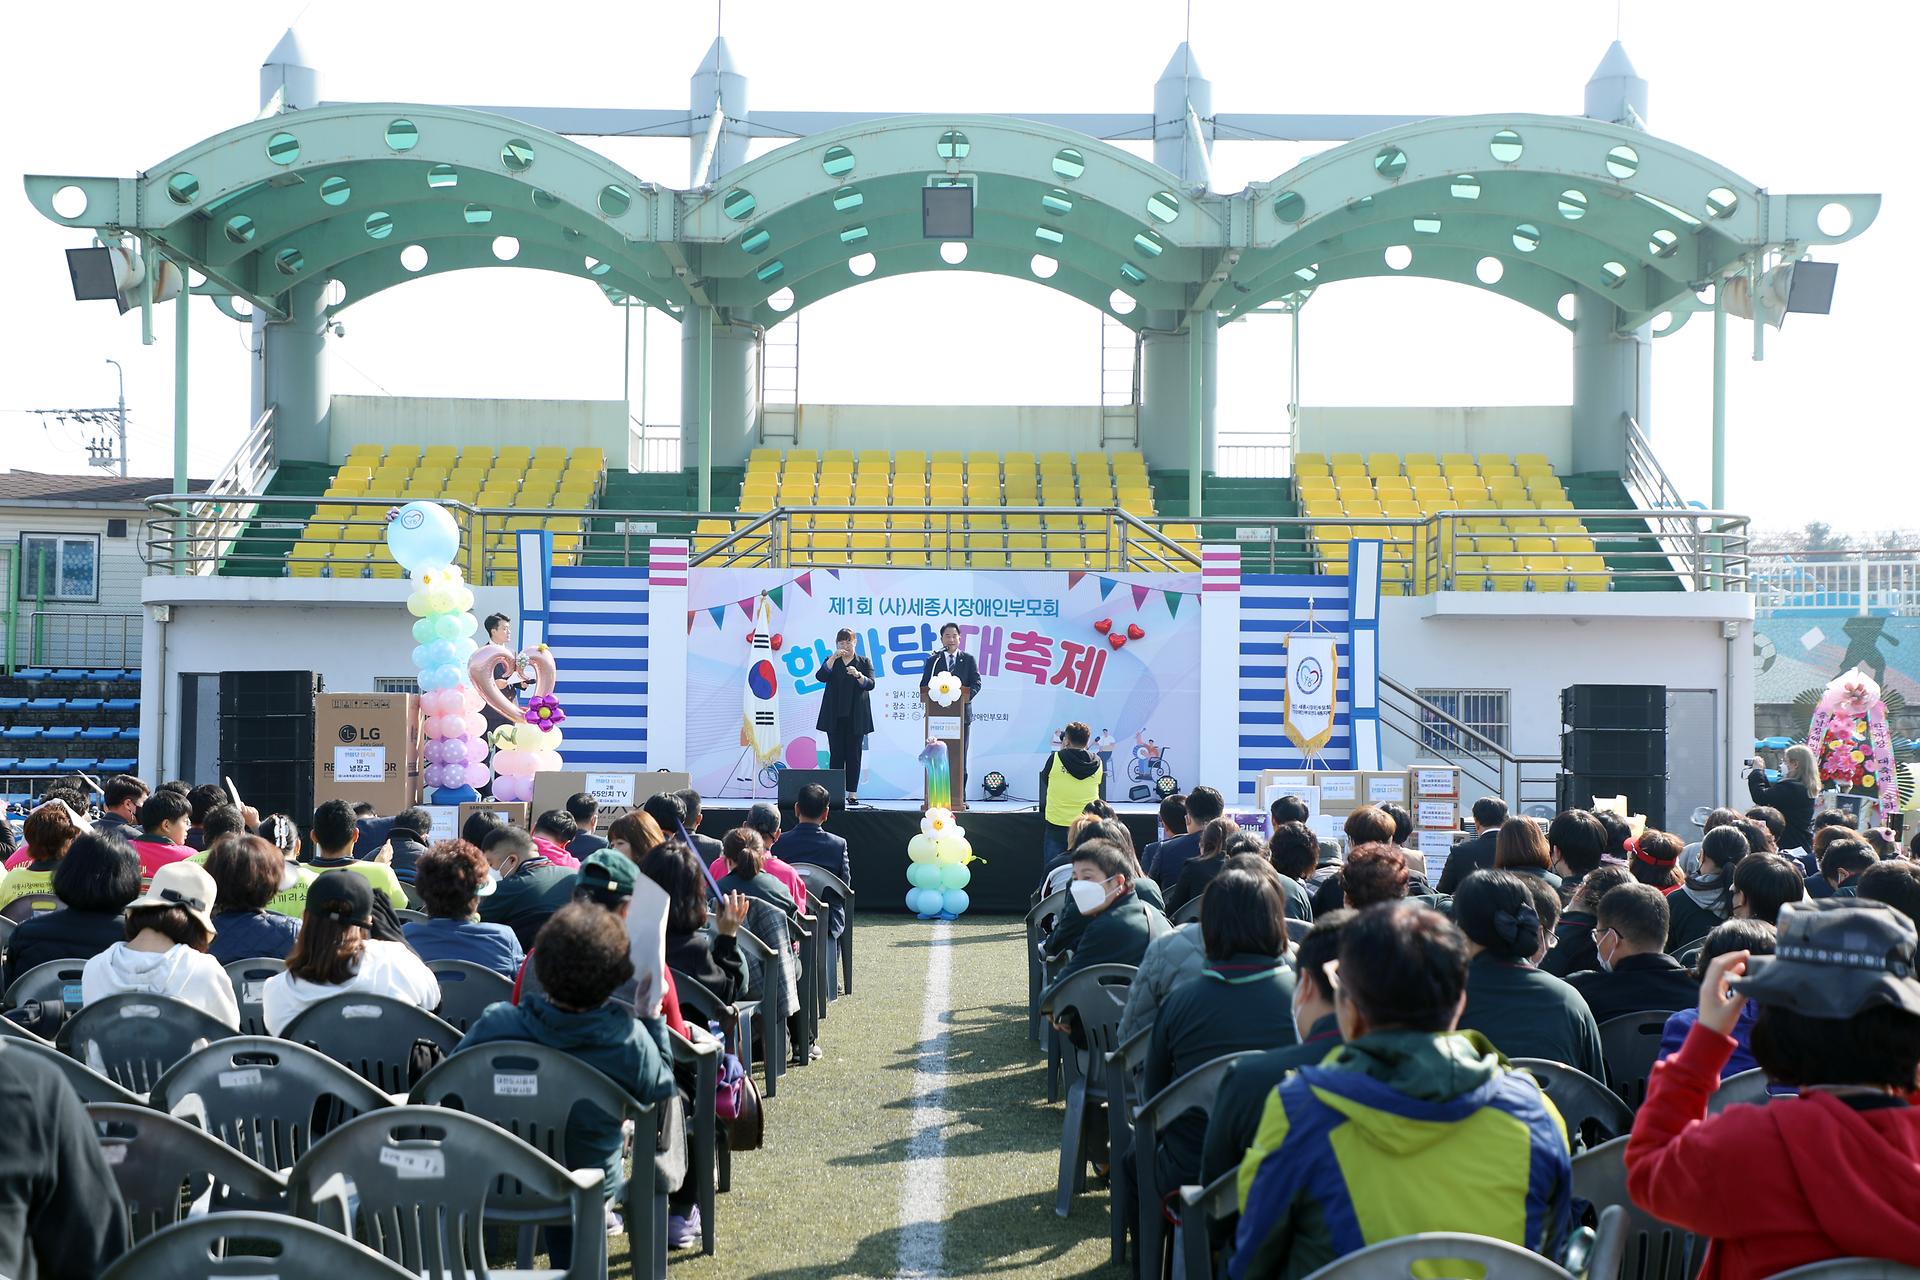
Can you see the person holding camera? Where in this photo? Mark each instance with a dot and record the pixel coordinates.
(1793, 795)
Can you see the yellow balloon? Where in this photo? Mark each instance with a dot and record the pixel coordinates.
(922, 849)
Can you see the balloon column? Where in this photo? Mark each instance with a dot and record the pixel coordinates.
(940, 853)
(424, 540)
(529, 742)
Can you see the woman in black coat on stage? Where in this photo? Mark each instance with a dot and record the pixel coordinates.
(846, 709)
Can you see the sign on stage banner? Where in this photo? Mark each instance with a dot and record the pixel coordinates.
(1118, 652)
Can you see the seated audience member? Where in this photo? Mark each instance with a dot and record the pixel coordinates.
(1283, 809)
(1882, 841)
(1756, 937)
(552, 832)
(120, 801)
(711, 959)
(1654, 858)
(247, 872)
(1546, 905)
(1616, 832)
(283, 834)
(1574, 850)
(168, 930)
(1707, 897)
(1404, 1081)
(49, 830)
(1117, 927)
(61, 1216)
(1204, 804)
(1895, 883)
(1171, 958)
(585, 812)
(1250, 1081)
(1573, 949)
(1403, 832)
(333, 835)
(746, 855)
(1098, 808)
(1198, 871)
(1088, 827)
(478, 826)
(1690, 855)
(1367, 825)
(1522, 847)
(95, 881)
(221, 821)
(530, 888)
(1776, 824)
(692, 814)
(581, 958)
(1242, 999)
(1635, 971)
(1296, 852)
(1524, 1013)
(164, 817)
(1831, 1173)
(1843, 862)
(201, 801)
(1173, 822)
(635, 834)
(1763, 883)
(336, 953)
(809, 842)
(1476, 852)
(1373, 872)
(764, 820)
(451, 879)
(407, 839)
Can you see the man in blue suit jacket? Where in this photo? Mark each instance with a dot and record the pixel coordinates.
(1204, 804)
(808, 841)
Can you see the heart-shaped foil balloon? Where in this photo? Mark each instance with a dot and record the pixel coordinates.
(1103, 626)
(494, 662)
(1117, 640)
(1134, 632)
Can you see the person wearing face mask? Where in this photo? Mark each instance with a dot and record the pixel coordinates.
(1635, 972)
(846, 710)
(451, 879)
(1117, 927)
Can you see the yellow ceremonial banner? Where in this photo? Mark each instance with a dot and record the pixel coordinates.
(1313, 681)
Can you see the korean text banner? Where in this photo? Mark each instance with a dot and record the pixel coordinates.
(1118, 652)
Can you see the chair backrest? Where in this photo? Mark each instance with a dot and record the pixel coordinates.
(267, 1098)
(1442, 1255)
(88, 1083)
(6, 932)
(372, 1035)
(133, 1039)
(1038, 914)
(1851, 1269)
(1631, 1044)
(698, 1002)
(54, 980)
(1747, 1086)
(466, 989)
(163, 1165)
(28, 905)
(249, 977)
(820, 880)
(1591, 1110)
(1098, 995)
(1188, 911)
(399, 1181)
(246, 1244)
(1655, 1250)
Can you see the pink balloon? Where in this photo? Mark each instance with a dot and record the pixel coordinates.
(548, 761)
(513, 789)
(478, 775)
(495, 661)
(441, 702)
(476, 748)
(475, 725)
(514, 764)
(470, 699)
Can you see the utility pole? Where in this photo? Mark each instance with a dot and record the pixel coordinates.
(100, 453)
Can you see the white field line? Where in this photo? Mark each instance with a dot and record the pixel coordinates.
(923, 1195)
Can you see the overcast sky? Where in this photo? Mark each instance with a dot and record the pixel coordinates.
(1823, 429)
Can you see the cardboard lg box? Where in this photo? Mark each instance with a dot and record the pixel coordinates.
(366, 746)
(619, 792)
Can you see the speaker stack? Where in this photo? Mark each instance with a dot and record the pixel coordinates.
(266, 739)
(1613, 743)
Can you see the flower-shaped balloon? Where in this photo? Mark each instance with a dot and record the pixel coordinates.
(937, 823)
(944, 688)
(543, 710)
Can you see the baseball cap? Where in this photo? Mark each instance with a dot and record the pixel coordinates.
(344, 895)
(607, 877)
(181, 884)
(1836, 957)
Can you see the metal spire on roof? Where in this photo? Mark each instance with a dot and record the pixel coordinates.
(1183, 120)
(1615, 91)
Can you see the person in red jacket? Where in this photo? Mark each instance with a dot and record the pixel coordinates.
(1833, 1173)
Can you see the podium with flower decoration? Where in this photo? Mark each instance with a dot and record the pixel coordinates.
(944, 700)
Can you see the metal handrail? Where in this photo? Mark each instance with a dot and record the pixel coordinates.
(1467, 761)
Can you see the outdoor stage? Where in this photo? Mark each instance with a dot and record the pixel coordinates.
(1006, 842)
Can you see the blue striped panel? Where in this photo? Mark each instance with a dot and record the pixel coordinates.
(597, 629)
(1271, 606)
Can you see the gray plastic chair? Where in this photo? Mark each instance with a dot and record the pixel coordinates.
(705, 1151)
(88, 1083)
(823, 882)
(247, 1244)
(763, 975)
(1194, 1091)
(249, 977)
(466, 989)
(1200, 1209)
(6, 932)
(133, 1039)
(531, 1091)
(1631, 1045)
(736, 1020)
(268, 1099)
(1188, 911)
(1747, 1086)
(54, 980)
(373, 1035)
(408, 915)
(1126, 1069)
(1425, 1254)
(28, 905)
(1096, 994)
(413, 1183)
(1051, 905)
(1654, 1250)
(1593, 1112)
(164, 1166)
(1850, 1269)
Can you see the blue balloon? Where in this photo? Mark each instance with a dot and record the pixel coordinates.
(913, 901)
(453, 795)
(954, 901)
(423, 536)
(440, 653)
(449, 676)
(423, 657)
(923, 875)
(423, 632)
(925, 902)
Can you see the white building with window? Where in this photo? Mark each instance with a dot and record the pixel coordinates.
(70, 563)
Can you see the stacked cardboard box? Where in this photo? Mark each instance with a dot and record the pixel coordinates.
(367, 747)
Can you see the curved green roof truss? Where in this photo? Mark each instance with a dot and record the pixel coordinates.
(1534, 208)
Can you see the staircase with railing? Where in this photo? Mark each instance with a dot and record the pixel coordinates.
(1526, 783)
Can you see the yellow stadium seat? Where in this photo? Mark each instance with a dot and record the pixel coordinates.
(403, 455)
(1355, 469)
(1383, 464)
(911, 461)
(837, 455)
(349, 560)
(1539, 459)
(1424, 459)
(440, 455)
(305, 559)
(1309, 461)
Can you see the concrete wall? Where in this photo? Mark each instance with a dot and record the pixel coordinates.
(1544, 429)
(930, 427)
(102, 633)
(425, 420)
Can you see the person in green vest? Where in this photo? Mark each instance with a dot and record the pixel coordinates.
(1068, 780)
(48, 830)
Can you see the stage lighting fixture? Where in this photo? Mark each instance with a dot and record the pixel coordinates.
(994, 784)
(946, 213)
(1166, 784)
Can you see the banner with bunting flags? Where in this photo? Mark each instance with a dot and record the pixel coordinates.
(1117, 651)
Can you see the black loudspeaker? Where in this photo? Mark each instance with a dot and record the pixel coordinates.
(266, 739)
(1645, 793)
(1614, 751)
(1614, 706)
(834, 780)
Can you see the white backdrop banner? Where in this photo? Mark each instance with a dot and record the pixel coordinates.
(1119, 652)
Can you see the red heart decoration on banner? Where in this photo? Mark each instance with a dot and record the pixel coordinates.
(778, 641)
(1103, 626)
(1116, 640)
(1134, 632)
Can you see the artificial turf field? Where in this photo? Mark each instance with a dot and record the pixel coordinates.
(822, 1197)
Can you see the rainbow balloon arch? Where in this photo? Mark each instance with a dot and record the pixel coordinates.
(458, 676)
(939, 855)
